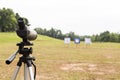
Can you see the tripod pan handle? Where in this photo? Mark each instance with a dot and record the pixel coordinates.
(12, 57)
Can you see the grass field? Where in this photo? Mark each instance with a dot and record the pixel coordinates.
(56, 61)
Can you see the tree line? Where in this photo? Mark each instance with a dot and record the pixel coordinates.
(55, 33)
(105, 36)
(8, 23)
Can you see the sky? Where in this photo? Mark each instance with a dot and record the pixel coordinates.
(84, 17)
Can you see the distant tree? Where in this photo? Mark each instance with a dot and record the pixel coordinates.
(114, 37)
(97, 38)
(93, 37)
(39, 31)
(26, 21)
(105, 36)
(118, 37)
(44, 31)
(52, 32)
(7, 20)
(71, 35)
(58, 34)
(17, 16)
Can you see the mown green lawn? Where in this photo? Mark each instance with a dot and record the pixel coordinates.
(57, 61)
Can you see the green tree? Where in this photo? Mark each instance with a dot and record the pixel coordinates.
(71, 35)
(52, 32)
(118, 37)
(7, 20)
(39, 31)
(105, 36)
(114, 37)
(17, 16)
(58, 34)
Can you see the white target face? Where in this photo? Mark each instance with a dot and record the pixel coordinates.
(88, 41)
(67, 40)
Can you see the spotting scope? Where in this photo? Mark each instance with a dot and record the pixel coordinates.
(27, 35)
(25, 32)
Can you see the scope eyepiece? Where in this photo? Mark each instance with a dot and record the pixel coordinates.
(21, 24)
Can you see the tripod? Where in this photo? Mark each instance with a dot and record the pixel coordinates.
(26, 58)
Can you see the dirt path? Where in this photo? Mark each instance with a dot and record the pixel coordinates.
(99, 69)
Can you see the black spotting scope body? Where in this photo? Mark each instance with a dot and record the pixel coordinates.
(24, 32)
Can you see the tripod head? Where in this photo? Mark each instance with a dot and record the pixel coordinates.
(21, 50)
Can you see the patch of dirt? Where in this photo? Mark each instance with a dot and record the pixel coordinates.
(99, 69)
(47, 77)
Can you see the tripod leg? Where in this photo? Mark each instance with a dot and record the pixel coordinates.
(25, 72)
(31, 73)
(15, 73)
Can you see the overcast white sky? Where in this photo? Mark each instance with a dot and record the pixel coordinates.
(84, 17)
